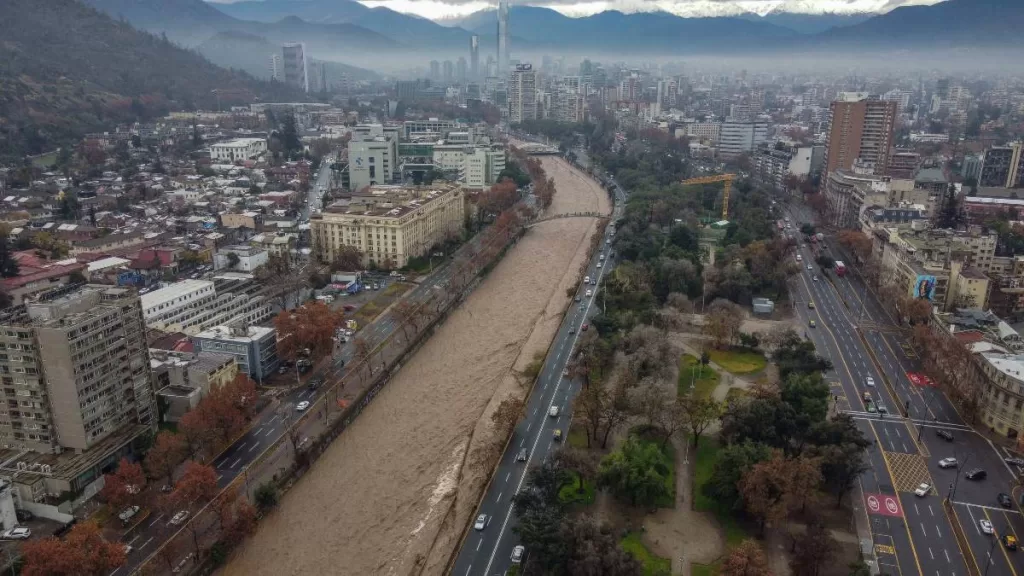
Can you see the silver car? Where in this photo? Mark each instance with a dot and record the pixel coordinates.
(481, 522)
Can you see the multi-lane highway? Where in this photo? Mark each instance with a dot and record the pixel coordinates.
(860, 337)
(489, 551)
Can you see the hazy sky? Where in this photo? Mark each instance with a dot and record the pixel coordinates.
(438, 9)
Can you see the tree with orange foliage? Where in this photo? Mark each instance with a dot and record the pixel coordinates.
(198, 483)
(168, 451)
(83, 552)
(311, 326)
(237, 517)
(123, 487)
(501, 196)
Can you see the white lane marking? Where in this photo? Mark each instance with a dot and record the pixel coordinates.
(507, 475)
(144, 544)
(478, 544)
(930, 510)
(498, 499)
(931, 554)
(235, 463)
(937, 531)
(269, 432)
(973, 521)
(132, 541)
(155, 520)
(254, 446)
(946, 552)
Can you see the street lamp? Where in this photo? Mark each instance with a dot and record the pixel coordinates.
(956, 481)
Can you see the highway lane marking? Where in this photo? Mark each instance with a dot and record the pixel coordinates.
(144, 544)
(478, 545)
(269, 432)
(219, 476)
(931, 510)
(931, 554)
(522, 442)
(913, 548)
(528, 426)
(946, 552)
(155, 520)
(984, 507)
(132, 541)
(235, 463)
(470, 567)
(254, 446)
(508, 515)
(498, 499)
(1003, 548)
(923, 531)
(937, 531)
(507, 476)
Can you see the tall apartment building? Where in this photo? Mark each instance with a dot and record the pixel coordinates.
(296, 70)
(522, 94)
(474, 57)
(1003, 167)
(389, 224)
(738, 138)
(276, 68)
(861, 128)
(75, 371)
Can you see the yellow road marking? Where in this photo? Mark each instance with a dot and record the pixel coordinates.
(1000, 544)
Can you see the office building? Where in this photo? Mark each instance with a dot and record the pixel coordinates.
(1003, 167)
(296, 70)
(460, 70)
(848, 192)
(474, 58)
(276, 68)
(238, 149)
(245, 259)
(254, 348)
(435, 70)
(371, 160)
(861, 128)
(738, 138)
(522, 94)
(503, 37)
(389, 224)
(191, 306)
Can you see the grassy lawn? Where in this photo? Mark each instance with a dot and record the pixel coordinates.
(568, 493)
(704, 466)
(705, 569)
(735, 394)
(704, 380)
(652, 565)
(367, 312)
(577, 437)
(739, 362)
(670, 481)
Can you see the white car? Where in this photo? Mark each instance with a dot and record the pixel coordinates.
(301, 406)
(553, 412)
(799, 258)
(923, 489)
(517, 554)
(947, 463)
(590, 293)
(869, 381)
(179, 518)
(481, 522)
(128, 513)
(986, 526)
(17, 533)
(809, 267)
(599, 265)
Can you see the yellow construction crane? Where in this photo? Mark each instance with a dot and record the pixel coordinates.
(725, 179)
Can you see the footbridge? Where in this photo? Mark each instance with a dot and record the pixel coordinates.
(564, 216)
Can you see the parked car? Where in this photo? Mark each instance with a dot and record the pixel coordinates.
(481, 522)
(976, 474)
(923, 489)
(128, 513)
(1015, 461)
(986, 526)
(944, 434)
(179, 518)
(948, 463)
(1004, 500)
(517, 554)
(17, 533)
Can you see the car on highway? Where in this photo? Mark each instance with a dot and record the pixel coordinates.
(948, 463)
(481, 522)
(871, 406)
(809, 267)
(128, 549)
(301, 406)
(557, 436)
(590, 293)
(867, 396)
(553, 412)
(1010, 541)
(976, 474)
(815, 277)
(869, 381)
(17, 533)
(799, 258)
(812, 323)
(517, 554)
(986, 526)
(923, 489)
(810, 304)
(179, 518)
(578, 298)
(1004, 500)
(882, 409)
(1015, 461)
(315, 383)
(521, 456)
(572, 329)
(944, 434)
(599, 265)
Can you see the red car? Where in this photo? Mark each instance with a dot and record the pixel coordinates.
(350, 307)
(584, 327)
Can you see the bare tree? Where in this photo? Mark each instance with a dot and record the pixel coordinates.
(722, 322)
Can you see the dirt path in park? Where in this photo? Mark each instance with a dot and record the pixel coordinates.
(396, 489)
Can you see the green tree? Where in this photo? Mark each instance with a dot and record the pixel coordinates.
(733, 461)
(825, 262)
(808, 394)
(290, 136)
(8, 265)
(636, 473)
(266, 496)
(233, 259)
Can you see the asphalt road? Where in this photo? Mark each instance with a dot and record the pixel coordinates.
(489, 551)
(921, 539)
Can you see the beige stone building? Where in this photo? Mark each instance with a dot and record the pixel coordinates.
(389, 224)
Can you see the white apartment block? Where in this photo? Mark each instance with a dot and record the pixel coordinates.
(741, 137)
(191, 306)
(238, 149)
(704, 131)
(522, 94)
(249, 258)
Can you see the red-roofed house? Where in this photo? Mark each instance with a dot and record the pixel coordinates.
(37, 274)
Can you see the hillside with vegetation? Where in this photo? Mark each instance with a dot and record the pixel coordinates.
(66, 70)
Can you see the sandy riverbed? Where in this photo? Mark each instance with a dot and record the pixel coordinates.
(394, 491)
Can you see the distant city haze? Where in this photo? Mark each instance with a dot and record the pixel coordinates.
(451, 9)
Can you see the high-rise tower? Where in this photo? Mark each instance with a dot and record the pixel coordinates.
(295, 69)
(474, 58)
(502, 38)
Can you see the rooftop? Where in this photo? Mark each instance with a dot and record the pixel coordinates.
(226, 333)
(164, 295)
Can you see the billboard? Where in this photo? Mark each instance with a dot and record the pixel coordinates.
(924, 287)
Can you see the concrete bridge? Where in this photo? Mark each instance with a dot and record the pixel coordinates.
(566, 215)
(538, 149)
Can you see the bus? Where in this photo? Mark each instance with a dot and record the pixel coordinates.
(840, 268)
